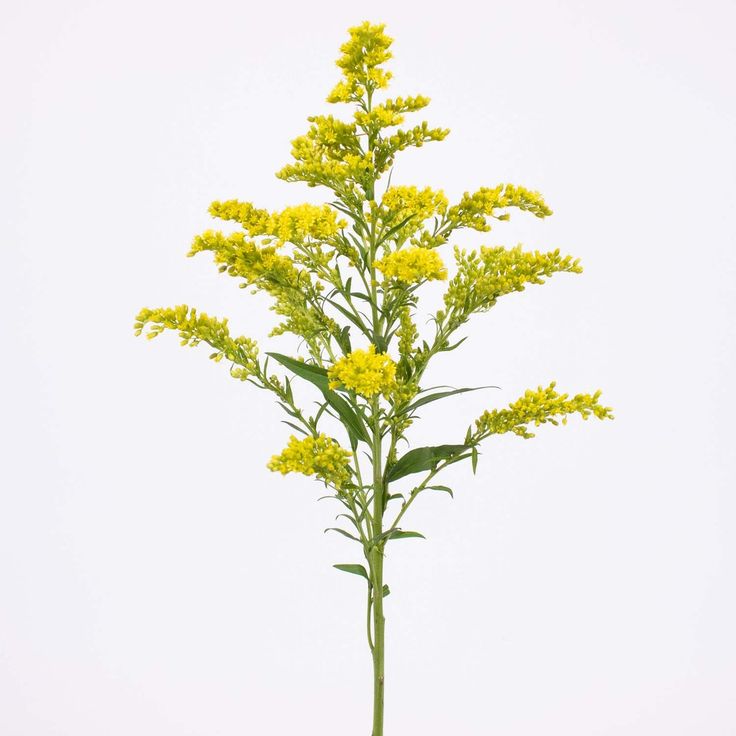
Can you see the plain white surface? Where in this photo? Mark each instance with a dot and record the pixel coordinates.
(156, 579)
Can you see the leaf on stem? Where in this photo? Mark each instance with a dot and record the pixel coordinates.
(343, 532)
(441, 395)
(422, 458)
(354, 569)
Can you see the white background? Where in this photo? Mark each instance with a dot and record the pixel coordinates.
(156, 579)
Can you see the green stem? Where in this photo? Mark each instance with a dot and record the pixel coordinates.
(376, 564)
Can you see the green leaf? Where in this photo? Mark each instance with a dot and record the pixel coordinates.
(301, 430)
(354, 569)
(310, 372)
(474, 456)
(441, 395)
(347, 314)
(456, 345)
(398, 534)
(395, 229)
(386, 590)
(341, 531)
(318, 376)
(394, 534)
(347, 414)
(422, 458)
(445, 489)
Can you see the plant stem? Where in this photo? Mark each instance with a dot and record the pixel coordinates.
(376, 554)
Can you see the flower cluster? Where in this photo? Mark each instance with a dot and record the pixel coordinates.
(483, 277)
(386, 148)
(539, 407)
(321, 456)
(473, 209)
(364, 371)
(362, 56)
(332, 153)
(293, 224)
(389, 113)
(194, 328)
(412, 265)
(410, 206)
(266, 269)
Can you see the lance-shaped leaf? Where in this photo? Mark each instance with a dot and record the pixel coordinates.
(394, 534)
(422, 458)
(310, 372)
(318, 376)
(343, 532)
(354, 569)
(441, 395)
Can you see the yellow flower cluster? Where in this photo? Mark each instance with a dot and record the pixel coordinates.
(401, 202)
(386, 148)
(389, 113)
(473, 209)
(362, 56)
(412, 265)
(194, 328)
(265, 269)
(539, 407)
(483, 277)
(364, 371)
(261, 266)
(321, 456)
(293, 224)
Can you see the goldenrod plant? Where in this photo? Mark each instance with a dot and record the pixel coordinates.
(345, 278)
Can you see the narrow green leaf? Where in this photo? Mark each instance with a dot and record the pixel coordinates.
(310, 372)
(301, 430)
(398, 534)
(346, 313)
(452, 347)
(441, 395)
(354, 569)
(394, 534)
(422, 458)
(343, 532)
(347, 414)
(318, 376)
(445, 489)
(474, 456)
(395, 229)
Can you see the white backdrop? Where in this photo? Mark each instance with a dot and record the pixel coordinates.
(156, 579)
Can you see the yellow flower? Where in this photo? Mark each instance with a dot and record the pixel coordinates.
(539, 407)
(361, 60)
(364, 371)
(321, 456)
(293, 224)
(196, 327)
(474, 209)
(412, 265)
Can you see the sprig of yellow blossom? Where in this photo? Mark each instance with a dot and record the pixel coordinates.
(482, 277)
(266, 269)
(364, 371)
(473, 210)
(362, 56)
(293, 224)
(412, 265)
(321, 456)
(545, 405)
(194, 327)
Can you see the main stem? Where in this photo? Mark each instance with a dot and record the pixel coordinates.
(379, 621)
(376, 552)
